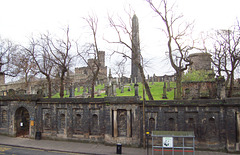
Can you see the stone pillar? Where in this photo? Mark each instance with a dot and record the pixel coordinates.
(122, 88)
(114, 93)
(115, 129)
(84, 92)
(129, 134)
(72, 91)
(67, 91)
(221, 91)
(109, 91)
(136, 89)
(175, 93)
(54, 120)
(98, 92)
(69, 122)
(238, 131)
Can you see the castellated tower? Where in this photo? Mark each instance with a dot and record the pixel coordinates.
(102, 58)
(2, 78)
(135, 74)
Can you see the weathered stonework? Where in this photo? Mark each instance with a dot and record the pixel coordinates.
(216, 123)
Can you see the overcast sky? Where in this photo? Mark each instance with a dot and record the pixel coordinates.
(19, 19)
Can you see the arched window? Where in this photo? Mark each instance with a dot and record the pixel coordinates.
(94, 129)
(190, 126)
(151, 124)
(171, 124)
(211, 128)
(78, 121)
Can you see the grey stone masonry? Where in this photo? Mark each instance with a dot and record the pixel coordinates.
(112, 120)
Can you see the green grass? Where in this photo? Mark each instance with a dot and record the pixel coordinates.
(156, 90)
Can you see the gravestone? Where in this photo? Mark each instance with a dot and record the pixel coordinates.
(153, 79)
(98, 92)
(175, 93)
(67, 91)
(72, 91)
(164, 95)
(40, 92)
(136, 89)
(84, 92)
(114, 93)
(122, 88)
(89, 89)
(168, 86)
(109, 91)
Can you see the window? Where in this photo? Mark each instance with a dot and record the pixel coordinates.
(78, 121)
(94, 129)
(62, 121)
(171, 124)
(4, 117)
(151, 124)
(47, 122)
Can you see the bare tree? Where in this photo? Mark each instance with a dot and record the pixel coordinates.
(227, 53)
(178, 44)
(60, 56)
(40, 55)
(120, 68)
(93, 52)
(123, 31)
(25, 66)
(7, 66)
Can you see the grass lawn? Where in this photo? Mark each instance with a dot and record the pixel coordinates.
(156, 90)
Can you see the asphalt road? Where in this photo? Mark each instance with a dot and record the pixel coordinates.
(11, 150)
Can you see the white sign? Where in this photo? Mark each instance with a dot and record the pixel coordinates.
(167, 141)
(21, 124)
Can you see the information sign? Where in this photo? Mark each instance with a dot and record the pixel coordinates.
(168, 142)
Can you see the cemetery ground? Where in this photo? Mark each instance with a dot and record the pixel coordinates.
(156, 90)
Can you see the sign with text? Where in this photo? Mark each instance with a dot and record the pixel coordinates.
(167, 142)
(32, 123)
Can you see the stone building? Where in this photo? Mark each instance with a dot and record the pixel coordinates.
(85, 73)
(164, 78)
(208, 88)
(111, 120)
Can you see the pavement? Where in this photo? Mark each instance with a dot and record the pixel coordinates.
(82, 148)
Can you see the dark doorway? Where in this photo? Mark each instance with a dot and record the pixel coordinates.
(22, 122)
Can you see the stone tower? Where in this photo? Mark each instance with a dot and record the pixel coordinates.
(201, 61)
(102, 58)
(135, 74)
(2, 78)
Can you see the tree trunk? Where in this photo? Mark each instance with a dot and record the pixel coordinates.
(231, 84)
(179, 85)
(94, 81)
(145, 84)
(62, 85)
(49, 87)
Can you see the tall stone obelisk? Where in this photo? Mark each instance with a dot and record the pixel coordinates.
(135, 74)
